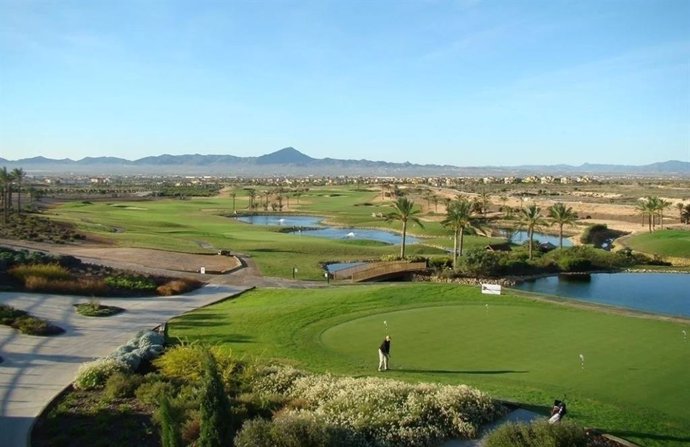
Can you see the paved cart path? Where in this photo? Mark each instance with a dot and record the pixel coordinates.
(36, 369)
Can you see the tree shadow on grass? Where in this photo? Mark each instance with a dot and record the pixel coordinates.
(200, 316)
(649, 436)
(271, 250)
(223, 338)
(453, 371)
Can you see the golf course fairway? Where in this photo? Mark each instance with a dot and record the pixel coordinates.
(631, 381)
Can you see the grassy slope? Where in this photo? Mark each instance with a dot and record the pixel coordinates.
(674, 243)
(192, 225)
(633, 383)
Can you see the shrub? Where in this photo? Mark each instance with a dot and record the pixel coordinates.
(145, 345)
(440, 263)
(291, 430)
(154, 389)
(44, 271)
(583, 258)
(93, 375)
(186, 362)
(191, 428)
(568, 264)
(385, 412)
(215, 407)
(599, 234)
(170, 435)
(130, 282)
(26, 323)
(35, 326)
(95, 309)
(564, 434)
(8, 314)
(177, 287)
(121, 384)
(479, 262)
(81, 286)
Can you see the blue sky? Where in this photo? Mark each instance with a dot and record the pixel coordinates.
(461, 82)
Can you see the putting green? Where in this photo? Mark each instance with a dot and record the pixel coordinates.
(537, 347)
(633, 384)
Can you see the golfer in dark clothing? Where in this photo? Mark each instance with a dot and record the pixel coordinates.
(384, 353)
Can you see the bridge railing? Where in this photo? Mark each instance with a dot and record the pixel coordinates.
(376, 270)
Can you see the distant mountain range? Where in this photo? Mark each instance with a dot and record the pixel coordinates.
(290, 161)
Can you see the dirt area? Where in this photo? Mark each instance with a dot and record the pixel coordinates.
(588, 206)
(136, 258)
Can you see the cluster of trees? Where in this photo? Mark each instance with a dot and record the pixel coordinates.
(10, 181)
(652, 209)
(274, 200)
(463, 216)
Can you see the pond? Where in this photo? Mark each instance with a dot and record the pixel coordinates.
(282, 220)
(658, 293)
(322, 230)
(337, 266)
(521, 236)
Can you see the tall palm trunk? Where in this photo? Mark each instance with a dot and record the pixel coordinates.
(404, 236)
(530, 233)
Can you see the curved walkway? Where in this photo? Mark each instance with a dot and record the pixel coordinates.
(36, 369)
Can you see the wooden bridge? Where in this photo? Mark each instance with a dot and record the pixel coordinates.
(378, 271)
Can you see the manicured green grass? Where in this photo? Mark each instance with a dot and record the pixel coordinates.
(197, 226)
(674, 243)
(633, 384)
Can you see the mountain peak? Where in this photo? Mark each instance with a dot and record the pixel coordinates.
(287, 155)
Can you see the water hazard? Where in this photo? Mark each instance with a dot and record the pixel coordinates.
(313, 226)
(659, 293)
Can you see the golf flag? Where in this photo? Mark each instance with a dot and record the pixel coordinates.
(491, 289)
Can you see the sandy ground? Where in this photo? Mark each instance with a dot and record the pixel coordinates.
(137, 258)
(617, 216)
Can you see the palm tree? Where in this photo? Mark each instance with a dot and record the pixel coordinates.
(404, 211)
(531, 218)
(267, 195)
(460, 217)
(661, 205)
(18, 175)
(685, 216)
(679, 207)
(233, 194)
(561, 215)
(252, 198)
(646, 208)
(6, 186)
(504, 200)
(484, 201)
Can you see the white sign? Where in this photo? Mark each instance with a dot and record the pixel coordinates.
(202, 270)
(491, 289)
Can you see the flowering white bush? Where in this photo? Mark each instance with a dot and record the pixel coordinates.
(383, 412)
(94, 374)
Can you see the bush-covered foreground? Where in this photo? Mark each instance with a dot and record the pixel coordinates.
(516, 348)
(269, 405)
(26, 323)
(40, 272)
(369, 411)
(540, 433)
